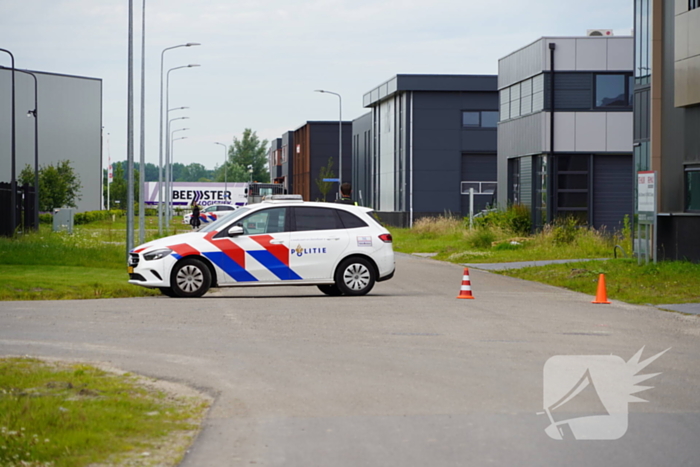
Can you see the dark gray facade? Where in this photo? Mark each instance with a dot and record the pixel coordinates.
(426, 139)
(565, 130)
(274, 160)
(287, 161)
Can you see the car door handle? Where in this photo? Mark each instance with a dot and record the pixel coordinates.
(276, 242)
(333, 238)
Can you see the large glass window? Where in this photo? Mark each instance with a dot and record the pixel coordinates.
(692, 189)
(612, 91)
(693, 4)
(642, 36)
(479, 119)
(316, 219)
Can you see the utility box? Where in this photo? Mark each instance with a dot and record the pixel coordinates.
(63, 220)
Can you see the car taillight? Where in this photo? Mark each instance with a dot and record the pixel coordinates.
(386, 238)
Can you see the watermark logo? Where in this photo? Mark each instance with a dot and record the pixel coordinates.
(586, 397)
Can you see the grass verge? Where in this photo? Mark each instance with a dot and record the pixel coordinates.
(49, 266)
(31, 282)
(654, 284)
(71, 415)
(452, 241)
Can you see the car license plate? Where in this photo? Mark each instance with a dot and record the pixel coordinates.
(130, 269)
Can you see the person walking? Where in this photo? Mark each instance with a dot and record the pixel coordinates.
(346, 195)
(194, 220)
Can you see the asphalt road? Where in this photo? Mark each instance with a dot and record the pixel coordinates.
(406, 376)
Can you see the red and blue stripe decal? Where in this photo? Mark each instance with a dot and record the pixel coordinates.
(231, 257)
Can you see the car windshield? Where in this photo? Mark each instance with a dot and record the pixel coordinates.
(226, 216)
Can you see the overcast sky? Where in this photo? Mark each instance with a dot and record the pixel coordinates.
(261, 60)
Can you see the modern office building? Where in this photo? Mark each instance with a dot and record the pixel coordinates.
(274, 160)
(667, 118)
(426, 141)
(315, 143)
(70, 127)
(286, 177)
(565, 129)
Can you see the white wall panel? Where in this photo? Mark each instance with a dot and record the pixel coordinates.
(620, 54)
(619, 131)
(592, 53)
(564, 54)
(591, 131)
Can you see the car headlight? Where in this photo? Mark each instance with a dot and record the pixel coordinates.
(157, 254)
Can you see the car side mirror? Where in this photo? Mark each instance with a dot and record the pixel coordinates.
(235, 230)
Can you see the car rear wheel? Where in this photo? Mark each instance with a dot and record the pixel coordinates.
(355, 276)
(330, 289)
(190, 278)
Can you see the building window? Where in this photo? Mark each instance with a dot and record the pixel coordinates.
(480, 188)
(693, 4)
(692, 189)
(612, 91)
(479, 119)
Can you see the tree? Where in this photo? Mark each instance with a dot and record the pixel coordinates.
(193, 172)
(59, 185)
(325, 172)
(235, 173)
(246, 152)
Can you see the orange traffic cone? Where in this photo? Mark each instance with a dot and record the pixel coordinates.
(466, 290)
(601, 296)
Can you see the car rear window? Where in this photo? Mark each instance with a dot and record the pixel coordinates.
(351, 221)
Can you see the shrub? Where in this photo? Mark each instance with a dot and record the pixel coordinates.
(515, 219)
(481, 237)
(564, 230)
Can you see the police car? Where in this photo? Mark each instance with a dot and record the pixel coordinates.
(341, 249)
(210, 213)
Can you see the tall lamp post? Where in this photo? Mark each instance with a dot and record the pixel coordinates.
(142, 146)
(171, 145)
(168, 170)
(161, 136)
(225, 168)
(340, 135)
(13, 179)
(167, 128)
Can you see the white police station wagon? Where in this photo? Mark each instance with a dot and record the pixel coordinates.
(281, 241)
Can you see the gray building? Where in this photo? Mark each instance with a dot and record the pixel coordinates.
(70, 127)
(565, 130)
(426, 141)
(667, 118)
(274, 160)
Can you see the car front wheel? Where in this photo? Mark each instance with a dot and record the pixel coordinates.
(190, 278)
(355, 276)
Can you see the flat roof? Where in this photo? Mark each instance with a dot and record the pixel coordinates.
(439, 83)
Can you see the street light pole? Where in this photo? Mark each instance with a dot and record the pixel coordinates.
(13, 178)
(340, 136)
(173, 153)
(130, 136)
(142, 153)
(161, 137)
(225, 168)
(167, 133)
(168, 170)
